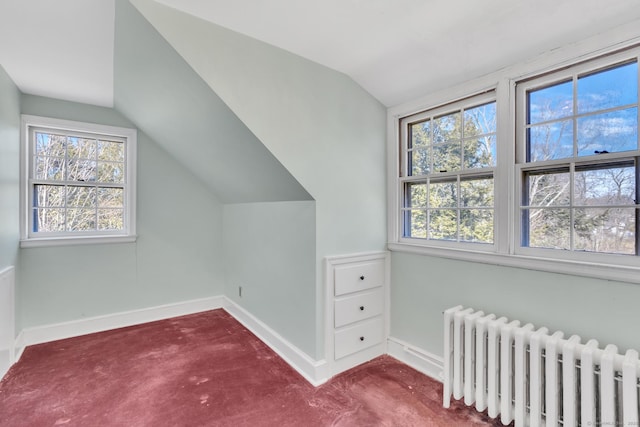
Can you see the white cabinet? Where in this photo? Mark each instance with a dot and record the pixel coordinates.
(358, 337)
(357, 295)
(363, 305)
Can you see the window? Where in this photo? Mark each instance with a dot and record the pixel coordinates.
(539, 171)
(578, 159)
(448, 157)
(79, 182)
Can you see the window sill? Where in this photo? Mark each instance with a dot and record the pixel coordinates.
(79, 240)
(577, 268)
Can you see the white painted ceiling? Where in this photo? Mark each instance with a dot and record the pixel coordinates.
(396, 49)
(59, 48)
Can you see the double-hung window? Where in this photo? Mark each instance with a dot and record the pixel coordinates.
(577, 161)
(78, 182)
(448, 158)
(564, 196)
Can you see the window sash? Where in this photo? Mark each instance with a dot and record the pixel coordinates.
(568, 74)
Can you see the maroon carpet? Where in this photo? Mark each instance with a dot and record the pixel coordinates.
(207, 370)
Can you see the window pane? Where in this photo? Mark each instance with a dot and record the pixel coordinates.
(416, 224)
(416, 195)
(443, 195)
(480, 120)
(49, 196)
(419, 162)
(605, 230)
(110, 219)
(110, 197)
(81, 170)
(50, 145)
(548, 228)
(550, 103)
(605, 186)
(111, 172)
(611, 132)
(547, 188)
(476, 192)
(81, 197)
(551, 141)
(49, 168)
(608, 89)
(446, 128)
(446, 157)
(79, 219)
(81, 148)
(112, 151)
(480, 153)
(49, 220)
(476, 225)
(443, 224)
(420, 134)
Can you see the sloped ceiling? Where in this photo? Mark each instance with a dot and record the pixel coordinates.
(165, 98)
(396, 49)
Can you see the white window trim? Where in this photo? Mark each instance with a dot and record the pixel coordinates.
(128, 235)
(507, 230)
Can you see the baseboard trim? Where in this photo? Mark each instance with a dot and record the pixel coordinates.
(18, 348)
(419, 359)
(315, 372)
(74, 328)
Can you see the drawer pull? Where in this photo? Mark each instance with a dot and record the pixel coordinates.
(361, 277)
(361, 338)
(362, 308)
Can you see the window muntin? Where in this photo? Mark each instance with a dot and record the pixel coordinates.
(79, 180)
(447, 173)
(579, 170)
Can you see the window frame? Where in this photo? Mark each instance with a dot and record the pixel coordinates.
(404, 123)
(604, 49)
(522, 165)
(28, 238)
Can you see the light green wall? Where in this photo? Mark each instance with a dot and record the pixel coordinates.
(9, 170)
(269, 250)
(164, 97)
(423, 287)
(177, 257)
(324, 128)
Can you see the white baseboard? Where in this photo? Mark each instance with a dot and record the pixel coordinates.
(74, 328)
(18, 348)
(316, 372)
(419, 359)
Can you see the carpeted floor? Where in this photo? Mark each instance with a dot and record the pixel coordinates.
(208, 370)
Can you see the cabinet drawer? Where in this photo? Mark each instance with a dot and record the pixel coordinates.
(358, 276)
(358, 337)
(358, 307)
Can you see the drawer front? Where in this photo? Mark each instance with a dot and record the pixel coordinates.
(358, 276)
(358, 337)
(358, 307)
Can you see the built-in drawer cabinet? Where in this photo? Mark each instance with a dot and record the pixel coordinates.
(357, 307)
(357, 290)
(358, 276)
(357, 337)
